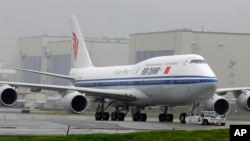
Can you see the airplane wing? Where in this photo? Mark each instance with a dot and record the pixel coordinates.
(7, 71)
(46, 73)
(223, 91)
(121, 94)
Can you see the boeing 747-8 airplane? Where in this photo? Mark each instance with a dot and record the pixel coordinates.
(166, 81)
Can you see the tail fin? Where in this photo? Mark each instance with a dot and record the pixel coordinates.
(81, 58)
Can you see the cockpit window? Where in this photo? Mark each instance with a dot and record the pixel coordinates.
(198, 61)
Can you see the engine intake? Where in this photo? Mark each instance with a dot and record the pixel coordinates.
(8, 96)
(218, 104)
(243, 101)
(74, 102)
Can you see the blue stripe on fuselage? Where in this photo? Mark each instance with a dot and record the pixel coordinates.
(140, 81)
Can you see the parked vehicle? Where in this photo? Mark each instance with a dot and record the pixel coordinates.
(207, 118)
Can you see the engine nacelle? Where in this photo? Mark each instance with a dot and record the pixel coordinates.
(74, 102)
(8, 96)
(243, 101)
(218, 104)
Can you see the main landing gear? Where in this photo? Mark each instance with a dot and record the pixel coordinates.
(137, 115)
(164, 116)
(102, 115)
(100, 111)
(118, 115)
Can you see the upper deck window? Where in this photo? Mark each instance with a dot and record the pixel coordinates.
(198, 61)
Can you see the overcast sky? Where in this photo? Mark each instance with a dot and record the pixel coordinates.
(115, 18)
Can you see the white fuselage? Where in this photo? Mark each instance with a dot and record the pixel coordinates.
(169, 80)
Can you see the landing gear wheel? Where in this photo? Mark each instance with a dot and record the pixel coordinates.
(182, 117)
(166, 117)
(205, 122)
(98, 116)
(162, 117)
(136, 116)
(114, 116)
(143, 117)
(169, 117)
(121, 116)
(105, 116)
(140, 117)
(117, 116)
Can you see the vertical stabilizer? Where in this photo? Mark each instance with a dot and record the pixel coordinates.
(81, 58)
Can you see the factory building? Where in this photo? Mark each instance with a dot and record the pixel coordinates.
(226, 53)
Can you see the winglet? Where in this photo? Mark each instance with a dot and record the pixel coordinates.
(81, 58)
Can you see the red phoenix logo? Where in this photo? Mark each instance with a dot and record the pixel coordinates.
(75, 44)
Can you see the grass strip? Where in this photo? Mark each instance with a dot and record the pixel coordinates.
(170, 135)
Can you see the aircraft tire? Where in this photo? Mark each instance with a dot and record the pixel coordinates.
(98, 116)
(105, 116)
(114, 116)
(182, 118)
(169, 117)
(162, 117)
(121, 116)
(143, 117)
(205, 122)
(136, 116)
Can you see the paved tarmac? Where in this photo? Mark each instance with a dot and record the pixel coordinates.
(38, 124)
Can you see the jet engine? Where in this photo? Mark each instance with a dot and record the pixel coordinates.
(218, 104)
(74, 102)
(8, 96)
(243, 100)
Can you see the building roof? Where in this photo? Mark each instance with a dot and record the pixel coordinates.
(190, 30)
